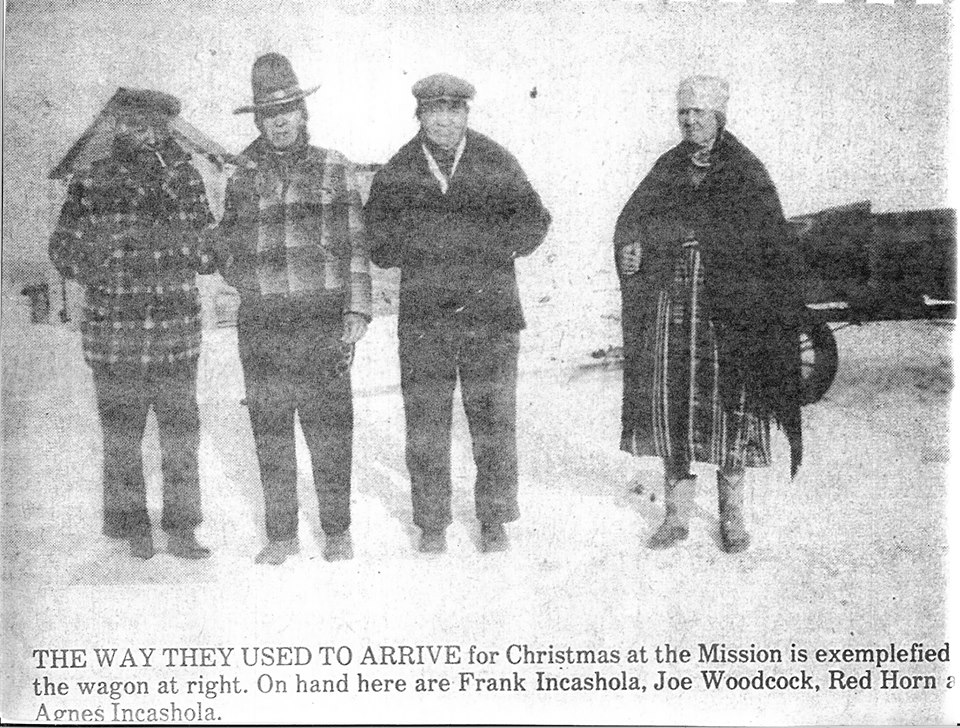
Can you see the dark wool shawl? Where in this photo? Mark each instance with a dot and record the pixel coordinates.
(456, 250)
(752, 284)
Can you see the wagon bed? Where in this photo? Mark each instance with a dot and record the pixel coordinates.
(863, 266)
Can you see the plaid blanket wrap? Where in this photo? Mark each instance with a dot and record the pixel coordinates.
(130, 231)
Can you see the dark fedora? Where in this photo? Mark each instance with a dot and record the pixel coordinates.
(274, 84)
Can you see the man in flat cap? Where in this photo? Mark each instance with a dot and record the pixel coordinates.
(292, 243)
(453, 210)
(711, 315)
(131, 233)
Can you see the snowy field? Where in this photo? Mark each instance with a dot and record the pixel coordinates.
(853, 552)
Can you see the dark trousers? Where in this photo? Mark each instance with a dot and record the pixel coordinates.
(293, 363)
(124, 399)
(431, 359)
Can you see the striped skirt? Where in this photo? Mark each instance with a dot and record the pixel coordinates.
(681, 417)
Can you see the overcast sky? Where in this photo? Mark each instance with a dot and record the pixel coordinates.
(841, 102)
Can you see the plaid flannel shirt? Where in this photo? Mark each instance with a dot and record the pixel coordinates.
(293, 226)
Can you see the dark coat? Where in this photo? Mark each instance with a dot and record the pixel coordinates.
(752, 286)
(456, 250)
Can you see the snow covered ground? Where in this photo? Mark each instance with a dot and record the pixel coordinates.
(852, 553)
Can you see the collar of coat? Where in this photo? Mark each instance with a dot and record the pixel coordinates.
(484, 163)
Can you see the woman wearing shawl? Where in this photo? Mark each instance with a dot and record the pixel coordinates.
(711, 315)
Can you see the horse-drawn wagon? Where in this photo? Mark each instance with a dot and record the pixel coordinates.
(864, 266)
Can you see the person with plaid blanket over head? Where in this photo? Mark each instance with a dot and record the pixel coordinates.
(131, 233)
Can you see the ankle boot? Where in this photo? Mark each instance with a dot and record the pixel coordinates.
(276, 552)
(141, 545)
(493, 537)
(733, 530)
(183, 544)
(433, 541)
(338, 547)
(678, 500)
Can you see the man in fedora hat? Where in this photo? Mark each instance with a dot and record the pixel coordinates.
(131, 233)
(453, 210)
(292, 243)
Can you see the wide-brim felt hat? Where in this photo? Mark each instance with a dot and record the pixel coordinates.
(144, 101)
(274, 84)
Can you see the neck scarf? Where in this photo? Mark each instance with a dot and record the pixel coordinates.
(443, 157)
(700, 155)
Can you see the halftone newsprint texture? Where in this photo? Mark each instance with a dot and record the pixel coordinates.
(818, 599)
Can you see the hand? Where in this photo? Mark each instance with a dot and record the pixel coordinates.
(354, 327)
(630, 259)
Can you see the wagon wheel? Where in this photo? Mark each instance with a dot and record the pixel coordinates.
(818, 360)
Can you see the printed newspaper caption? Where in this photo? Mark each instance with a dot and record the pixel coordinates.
(188, 683)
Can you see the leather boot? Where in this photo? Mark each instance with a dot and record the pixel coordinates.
(276, 552)
(678, 500)
(183, 544)
(141, 545)
(432, 541)
(493, 537)
(733, 530)
(338, 547)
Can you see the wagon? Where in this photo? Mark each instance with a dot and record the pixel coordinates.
(863, 266)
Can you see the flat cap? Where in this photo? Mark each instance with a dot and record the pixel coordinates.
(144, 100)
(443, 86)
